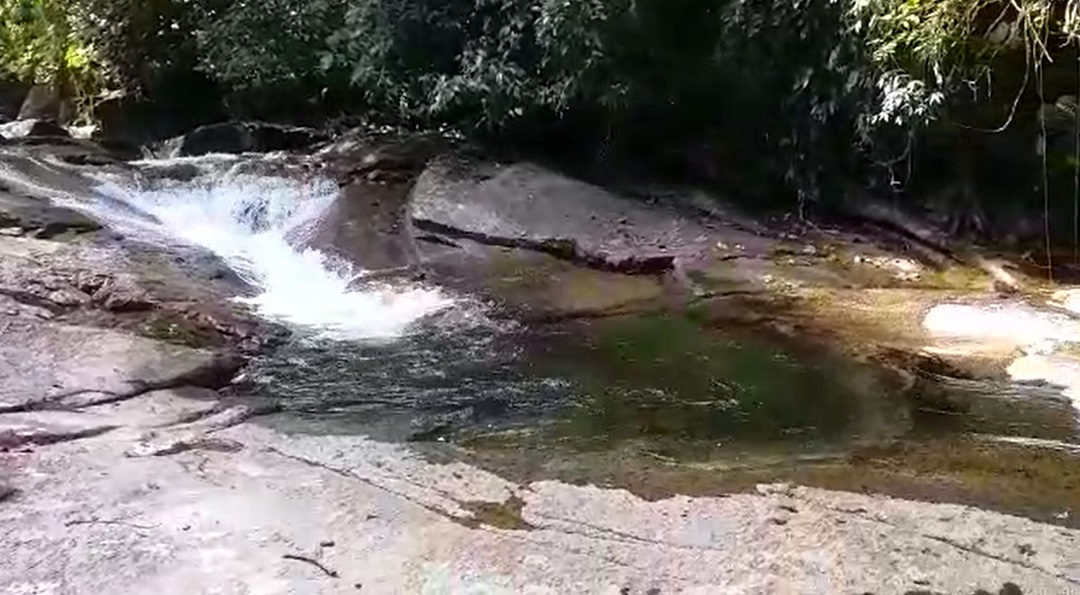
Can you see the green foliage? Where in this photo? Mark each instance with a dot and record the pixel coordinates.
(252, 43)
(611, 73)
(41, 42)
(925, 52)
(486, 62)
(801, 92)
(142, 39)
(35, 39)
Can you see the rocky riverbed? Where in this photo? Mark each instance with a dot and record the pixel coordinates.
(531, 385)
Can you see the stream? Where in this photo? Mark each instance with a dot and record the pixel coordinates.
(659, 403)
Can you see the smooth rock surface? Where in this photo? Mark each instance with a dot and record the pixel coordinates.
(45, 364)
(45, 102)
(538, 287)
(367, 225)
(211, 519)
(181, 298)
(524, 205)
(12, 94)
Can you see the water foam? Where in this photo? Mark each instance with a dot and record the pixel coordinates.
(1037, 334)
(254, 223)
(1029, 328)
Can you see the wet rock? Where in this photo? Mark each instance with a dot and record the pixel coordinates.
(201, 265)
(179, 171)
(366, 225)
(538, 287)
(523, 205)
(44, 363)
(75, 151)
(244, 137)
(40, 219)
(380, 157)
(44, 102)
(32, 128)
(140, 289)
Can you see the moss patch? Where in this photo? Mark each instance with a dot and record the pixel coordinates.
(559, 286)
(501, 515)
(177, 330)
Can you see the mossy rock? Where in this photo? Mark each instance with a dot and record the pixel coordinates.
(177, 331)
(500, 515)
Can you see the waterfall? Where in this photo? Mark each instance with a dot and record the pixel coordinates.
(257, 223)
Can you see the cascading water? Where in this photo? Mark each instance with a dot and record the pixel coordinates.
(257, 223)
(363, 355)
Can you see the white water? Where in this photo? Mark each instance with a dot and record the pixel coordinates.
(254, 223)
(1031, 329)
(1036, 336)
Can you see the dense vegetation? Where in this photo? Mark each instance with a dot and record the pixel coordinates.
(778, 98)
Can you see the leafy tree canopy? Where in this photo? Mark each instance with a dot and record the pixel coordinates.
(798, 80)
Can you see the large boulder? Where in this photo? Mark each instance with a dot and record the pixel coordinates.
(524, 205)
(44, 102)
(48, 363)
(368, 224)
(171, 105)
(243, 137)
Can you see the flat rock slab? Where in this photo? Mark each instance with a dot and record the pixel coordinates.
(39, 172)
(142, 289)
(527, 206)
(323, 515)
(62, 277)
(43, 363)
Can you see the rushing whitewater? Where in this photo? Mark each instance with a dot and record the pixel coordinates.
(1032, 329)
(1037, 336)
(257, 224)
